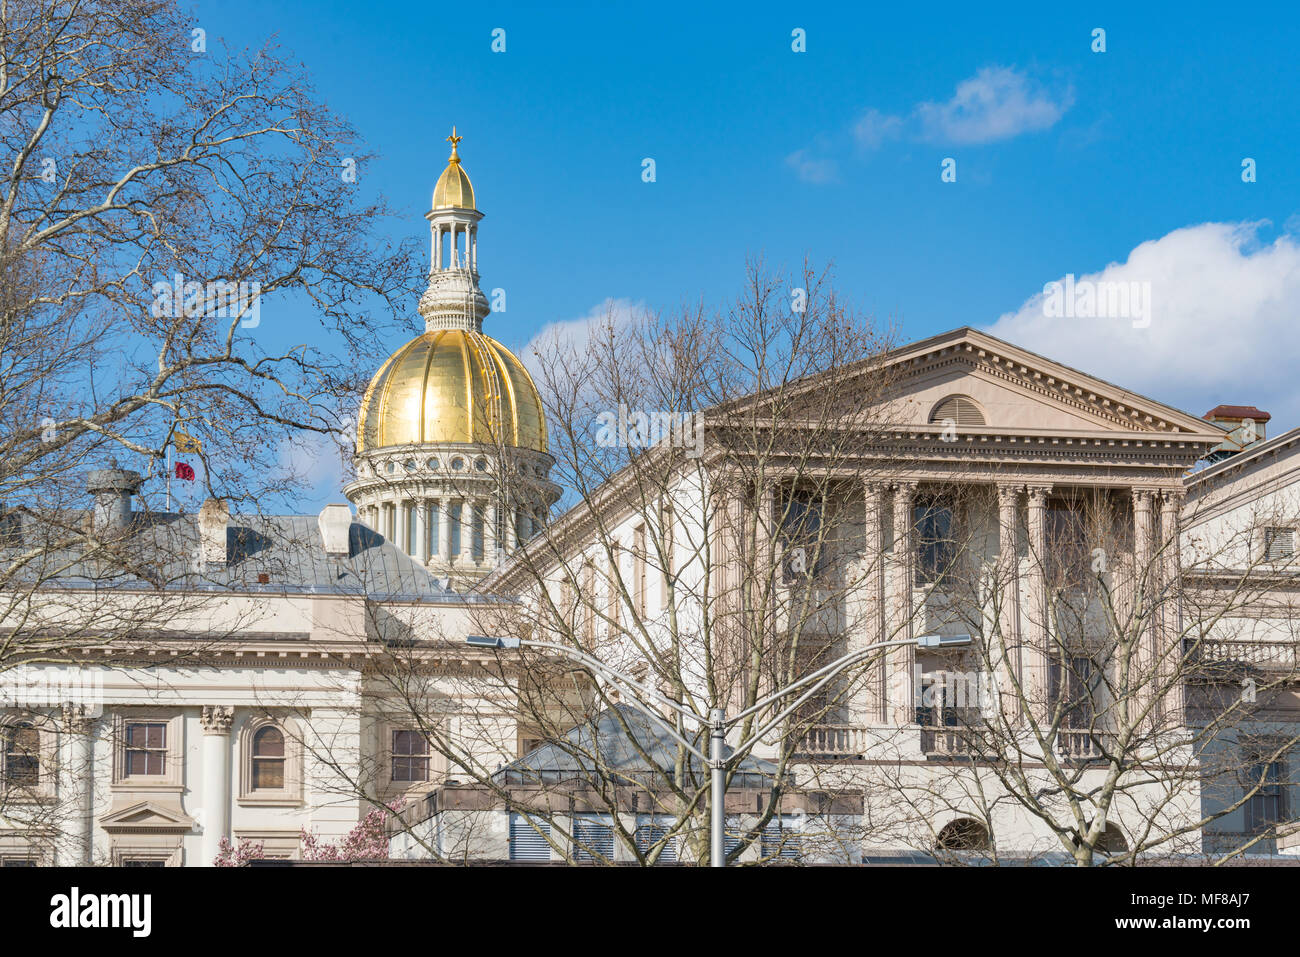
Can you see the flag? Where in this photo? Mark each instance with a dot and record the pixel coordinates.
(186, 443)
(185, 472)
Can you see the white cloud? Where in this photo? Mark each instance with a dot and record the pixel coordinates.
(811, 169)
(997, 103)
(873, 128)
(1222, 323)
(574, 334)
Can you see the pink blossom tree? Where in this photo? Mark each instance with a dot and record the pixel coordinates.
(368, 841)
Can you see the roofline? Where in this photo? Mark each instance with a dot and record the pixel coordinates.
(1246, 456)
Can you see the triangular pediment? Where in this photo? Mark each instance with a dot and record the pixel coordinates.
(1002, 388)
(147, 816)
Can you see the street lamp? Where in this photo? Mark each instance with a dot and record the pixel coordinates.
(717, 721)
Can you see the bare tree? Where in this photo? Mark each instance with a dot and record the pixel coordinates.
(712, 473)
(163, 198)
(1109, 712)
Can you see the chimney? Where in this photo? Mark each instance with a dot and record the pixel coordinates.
(214, 517)
(1245, 425)
(112, 489)
(335, 523)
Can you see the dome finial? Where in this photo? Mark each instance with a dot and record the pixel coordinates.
(454, 140)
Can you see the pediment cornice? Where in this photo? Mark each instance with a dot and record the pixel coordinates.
(1043, 379)
(147, 816)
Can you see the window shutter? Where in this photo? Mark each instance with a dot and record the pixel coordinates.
(779, 841)
(1279, 544)
(648, 834)
(593, 841)
(526, 844)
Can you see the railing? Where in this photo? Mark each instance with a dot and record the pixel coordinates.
(1079, 745)
(833, 741)
(952, 742)
(841, 741)
(1273, 655)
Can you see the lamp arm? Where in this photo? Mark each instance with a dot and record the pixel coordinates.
(834, 668)
(618, 677)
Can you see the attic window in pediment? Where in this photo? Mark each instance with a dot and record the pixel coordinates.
(959, 409)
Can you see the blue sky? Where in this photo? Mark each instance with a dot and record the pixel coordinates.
(1067, 160)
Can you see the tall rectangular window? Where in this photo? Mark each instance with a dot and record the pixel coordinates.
(1068, 558)
(1267, 806)
(146, 748)
(934, 541)
(456, 525)
(22, 755)
(589, 602)
(800, 535)
(639, 572)
(1074, 684)
(477, 528)
(613, 595)
(666, 521)
(410, 756)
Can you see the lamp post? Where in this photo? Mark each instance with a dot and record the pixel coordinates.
(717, 721)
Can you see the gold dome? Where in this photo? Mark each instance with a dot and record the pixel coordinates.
(453, 190)
(452, 385)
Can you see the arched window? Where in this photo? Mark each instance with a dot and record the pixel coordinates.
(268, 759)
(22, 755)
(961, 410)
(1111, 841)
(964, 834)
(270, 762)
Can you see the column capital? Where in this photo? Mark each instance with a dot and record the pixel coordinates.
(1038, 494)
(1009, 493)
(77, 718)
(216, 719)
(1143, 497)
(1172, 498)
(905, 490)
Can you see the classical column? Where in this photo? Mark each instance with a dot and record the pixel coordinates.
(444, 530)
(77, 771)
(1034, 659)
(902, 660)
(451, 238)
(421, 550)
(1144, 576)
(490, 508)
(873, 626)
(469, 519)
(764, 590)
(1004, 648)
(1171, 617)
(216, 721)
